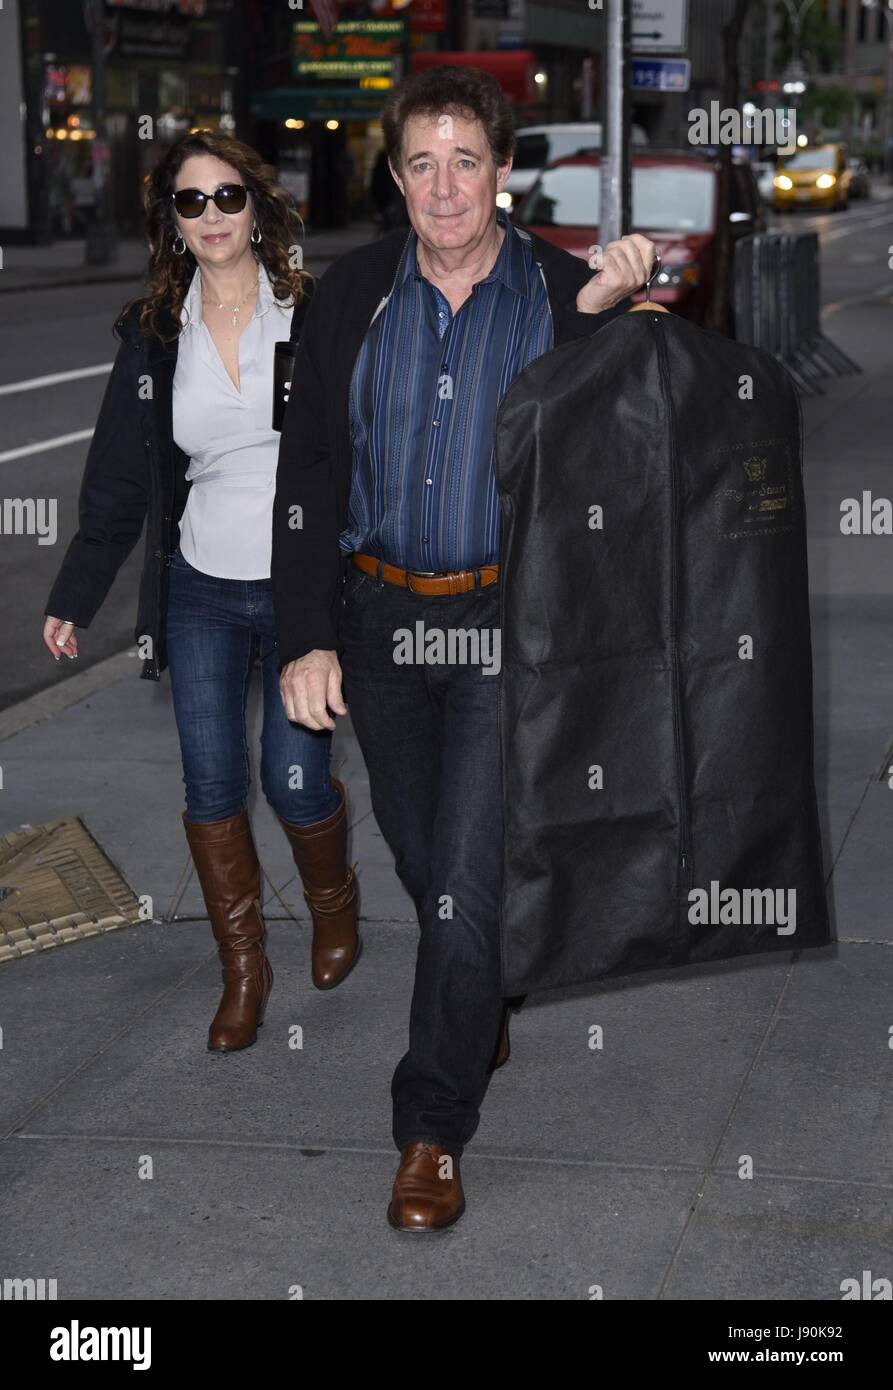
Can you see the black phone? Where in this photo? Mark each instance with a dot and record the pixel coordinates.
(283, 367)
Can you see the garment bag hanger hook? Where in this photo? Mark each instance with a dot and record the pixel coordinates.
(648, 302)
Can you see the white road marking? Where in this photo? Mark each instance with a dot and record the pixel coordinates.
(54, 379)
(861, 226)
(44, 444)
(857, 299)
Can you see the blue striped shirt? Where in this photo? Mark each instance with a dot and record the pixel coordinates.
(425, 388)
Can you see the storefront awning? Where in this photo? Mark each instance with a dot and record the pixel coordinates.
(321, 103)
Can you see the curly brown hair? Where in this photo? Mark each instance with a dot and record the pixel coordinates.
(461, 91)
(168, 275)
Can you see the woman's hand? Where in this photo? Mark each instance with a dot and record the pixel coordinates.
(58, 636)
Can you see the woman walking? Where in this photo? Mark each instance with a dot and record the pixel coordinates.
(184, 439)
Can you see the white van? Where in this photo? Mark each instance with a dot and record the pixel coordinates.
(538, 145)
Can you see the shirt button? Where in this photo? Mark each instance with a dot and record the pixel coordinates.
(435, 422)
(429, 481)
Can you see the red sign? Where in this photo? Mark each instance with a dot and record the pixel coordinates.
(429, 16)
(512, 68)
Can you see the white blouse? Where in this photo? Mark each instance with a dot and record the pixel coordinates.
(227, 524)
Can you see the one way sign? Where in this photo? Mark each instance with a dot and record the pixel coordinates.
(660, 26)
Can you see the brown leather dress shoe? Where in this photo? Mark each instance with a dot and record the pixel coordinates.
(330, 891)
(229, 874)
(427, 1192)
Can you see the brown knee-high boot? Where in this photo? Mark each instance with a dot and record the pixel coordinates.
(330, 891)
(229, 874)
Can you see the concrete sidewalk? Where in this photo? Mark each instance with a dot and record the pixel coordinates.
(617, 1168)
(62, 263)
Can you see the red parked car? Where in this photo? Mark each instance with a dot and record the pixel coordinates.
(675, 202)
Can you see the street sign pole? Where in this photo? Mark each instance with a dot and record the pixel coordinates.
(616, 180)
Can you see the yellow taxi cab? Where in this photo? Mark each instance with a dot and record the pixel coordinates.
(816, 176)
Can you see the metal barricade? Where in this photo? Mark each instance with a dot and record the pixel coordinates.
(777, 299)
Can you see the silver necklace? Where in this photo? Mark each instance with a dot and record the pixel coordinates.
(235, 309)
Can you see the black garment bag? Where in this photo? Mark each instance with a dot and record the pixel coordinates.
(656, 696)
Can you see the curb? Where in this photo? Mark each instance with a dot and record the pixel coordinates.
(56, 698)
(119, 278)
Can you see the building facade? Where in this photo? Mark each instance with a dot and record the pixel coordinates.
(169, 66)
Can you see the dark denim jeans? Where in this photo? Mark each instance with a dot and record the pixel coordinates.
(429, 735)
(216, 630)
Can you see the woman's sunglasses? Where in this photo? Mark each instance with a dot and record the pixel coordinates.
(229, 197)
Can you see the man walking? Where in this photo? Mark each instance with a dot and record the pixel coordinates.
(386, 535)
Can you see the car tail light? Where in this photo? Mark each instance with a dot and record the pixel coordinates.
(674, 277)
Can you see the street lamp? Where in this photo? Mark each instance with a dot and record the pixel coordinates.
(794, 84)
(885, 7)
(797, 12)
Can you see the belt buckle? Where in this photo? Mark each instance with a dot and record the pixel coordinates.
(418, 574)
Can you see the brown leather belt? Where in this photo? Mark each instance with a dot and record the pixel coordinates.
(455, 582)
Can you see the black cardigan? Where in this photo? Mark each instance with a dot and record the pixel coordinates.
(134, 477)
(315, 453)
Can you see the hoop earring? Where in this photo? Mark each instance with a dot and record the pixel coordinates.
(182, 247)
(256, 239)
